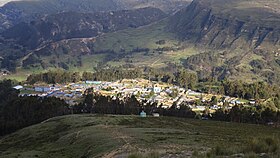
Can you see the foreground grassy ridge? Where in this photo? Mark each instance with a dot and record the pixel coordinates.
(96, 136)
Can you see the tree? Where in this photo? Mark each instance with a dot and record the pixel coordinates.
(268, 115)
(214, 100)
(235, 114)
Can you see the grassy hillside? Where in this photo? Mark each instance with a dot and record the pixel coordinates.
(136, 46)
(169, 6)
(111, 136)
(257, 10)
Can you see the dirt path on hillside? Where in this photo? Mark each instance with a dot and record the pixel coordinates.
(121, 136)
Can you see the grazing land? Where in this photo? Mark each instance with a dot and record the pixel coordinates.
(132, 136)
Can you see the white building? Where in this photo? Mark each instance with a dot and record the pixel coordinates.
(157, 89)
(18, 87)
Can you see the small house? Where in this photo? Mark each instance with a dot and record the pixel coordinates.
(252, 102)
(238, 102)
(157, 89)
(18, 87)
(42, 89)
(143, 114)
(155, 114)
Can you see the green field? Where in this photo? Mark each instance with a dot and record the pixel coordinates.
(132, 136)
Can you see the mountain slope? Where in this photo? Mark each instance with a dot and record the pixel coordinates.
(119, 136)
(168, 6)
(20, 11)
(79, 25)
(241, 33)
(28, 10)
(218, 39)
(114, 48)
(228, 23)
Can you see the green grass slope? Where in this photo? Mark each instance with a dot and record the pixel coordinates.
(114, 49)
(128, 136)
(147, 37)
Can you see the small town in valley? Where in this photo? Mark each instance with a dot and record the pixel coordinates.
(163, 94)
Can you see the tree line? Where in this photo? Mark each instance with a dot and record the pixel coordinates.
(241, 114)
(19, 112)
(180, 77)
(256, 90)
(95, 103)
(52, 77)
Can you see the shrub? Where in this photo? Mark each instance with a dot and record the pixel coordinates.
(195, 153)
(251, 155)
(265, 145)
(153, 155)
(149, 155)
(222, 151)
(135, 155)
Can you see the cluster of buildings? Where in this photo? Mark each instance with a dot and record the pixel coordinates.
(162, 94)
(4, 72)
